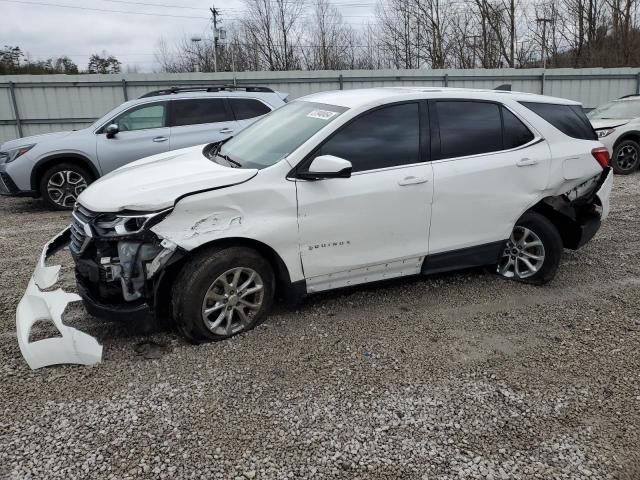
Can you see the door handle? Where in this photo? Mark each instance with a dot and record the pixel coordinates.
(525, 162)
(411, 180)
(226, 130)
(160, 139)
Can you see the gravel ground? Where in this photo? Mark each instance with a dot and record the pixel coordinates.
(462, 375)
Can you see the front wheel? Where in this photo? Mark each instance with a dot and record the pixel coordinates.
(532, 253)
(222, 292)
(61, 184)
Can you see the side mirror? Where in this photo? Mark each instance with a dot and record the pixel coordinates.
(111, 130)
(327, 166)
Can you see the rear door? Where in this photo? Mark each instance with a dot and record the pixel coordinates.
(196, 121)
(489, 166)
(143, 132)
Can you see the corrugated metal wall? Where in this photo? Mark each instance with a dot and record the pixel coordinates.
(48, 103)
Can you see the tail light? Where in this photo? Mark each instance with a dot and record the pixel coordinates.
(601, 155)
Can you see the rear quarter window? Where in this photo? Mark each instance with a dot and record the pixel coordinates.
(569, 119)
(245, 108)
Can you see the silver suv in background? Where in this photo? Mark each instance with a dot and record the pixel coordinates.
(59, 166)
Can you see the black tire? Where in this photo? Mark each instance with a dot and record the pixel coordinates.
(626, 157)
(200, 273)
(63, 172)
(552, 246)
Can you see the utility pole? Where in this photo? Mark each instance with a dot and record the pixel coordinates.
(544, 22)
(215, 13)
(474, 48)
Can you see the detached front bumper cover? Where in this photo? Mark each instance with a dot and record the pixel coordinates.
(73, 346)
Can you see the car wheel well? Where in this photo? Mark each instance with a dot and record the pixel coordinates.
(564, 222)
(292, 292)
(43, 165)
(635, 136)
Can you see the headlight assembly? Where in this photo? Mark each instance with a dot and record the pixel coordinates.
(11, 155)
(605, 132)
(118, 225)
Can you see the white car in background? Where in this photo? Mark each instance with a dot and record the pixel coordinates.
(332, 190)
(617, 124)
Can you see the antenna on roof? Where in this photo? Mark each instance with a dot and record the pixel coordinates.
(506, 87)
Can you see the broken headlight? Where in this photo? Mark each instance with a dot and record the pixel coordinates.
(119, 225)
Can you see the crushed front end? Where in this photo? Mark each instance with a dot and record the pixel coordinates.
(118, 260)
(118, 264)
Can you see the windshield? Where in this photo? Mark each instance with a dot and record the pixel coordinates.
(617, 109)
(277, 134)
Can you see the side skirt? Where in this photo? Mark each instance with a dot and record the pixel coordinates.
(475, 256)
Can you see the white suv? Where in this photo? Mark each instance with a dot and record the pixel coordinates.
(58, 166)
(338, 189)
(617, 124)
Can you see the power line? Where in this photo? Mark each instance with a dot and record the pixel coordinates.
(45, 4)
(164, 5)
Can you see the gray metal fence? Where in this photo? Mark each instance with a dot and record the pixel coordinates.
(34, 104)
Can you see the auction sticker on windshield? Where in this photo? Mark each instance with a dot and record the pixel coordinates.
(321, 114)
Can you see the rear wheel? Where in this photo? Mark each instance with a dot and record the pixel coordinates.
(626, 157)
(222, 292)
(61, 185)
(532, 253)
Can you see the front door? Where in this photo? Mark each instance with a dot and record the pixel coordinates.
(375, 224)
(143, 132)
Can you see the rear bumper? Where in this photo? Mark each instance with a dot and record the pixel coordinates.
(590, 211)
(37, 305)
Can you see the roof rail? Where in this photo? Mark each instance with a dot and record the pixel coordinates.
(212, 88)
(630, 95)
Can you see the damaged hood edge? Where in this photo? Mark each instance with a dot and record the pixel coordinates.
(156, 182)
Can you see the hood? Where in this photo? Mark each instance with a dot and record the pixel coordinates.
(608, 122)
(45, 137)
(155, 182)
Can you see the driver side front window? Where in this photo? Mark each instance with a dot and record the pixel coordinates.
(142, 118)
(385, 137)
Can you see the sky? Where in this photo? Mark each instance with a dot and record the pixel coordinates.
(129, 30)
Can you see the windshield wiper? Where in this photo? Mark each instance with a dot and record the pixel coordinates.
(229, 159)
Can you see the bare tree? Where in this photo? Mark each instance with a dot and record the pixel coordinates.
(288, 34)
(273, 28)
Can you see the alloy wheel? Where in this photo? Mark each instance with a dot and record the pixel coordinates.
(232, 300)
(627, 158)
(523, 254)
(64, 187)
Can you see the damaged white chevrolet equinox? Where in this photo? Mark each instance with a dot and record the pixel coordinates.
(338, 189)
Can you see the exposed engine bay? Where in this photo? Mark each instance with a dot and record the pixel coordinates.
(117, 258)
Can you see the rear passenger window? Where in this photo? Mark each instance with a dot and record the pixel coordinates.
(469, 128)
(515, 132)
(569, 119)
(197, 111)
(244, 108)
(386, 137)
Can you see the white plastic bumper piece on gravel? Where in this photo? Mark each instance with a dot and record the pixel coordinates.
(73, 346)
